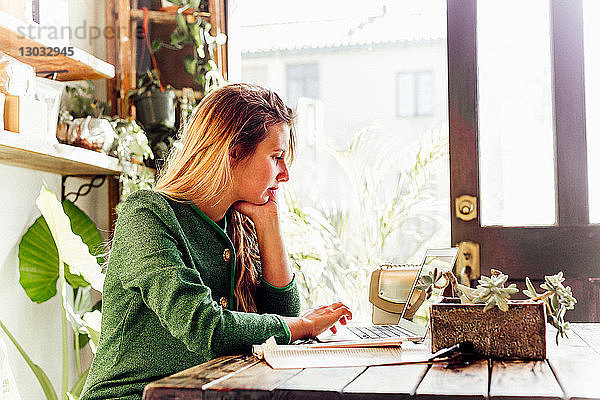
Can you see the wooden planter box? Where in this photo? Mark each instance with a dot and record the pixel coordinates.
(519, 332)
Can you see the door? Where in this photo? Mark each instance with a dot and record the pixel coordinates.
(543, 225)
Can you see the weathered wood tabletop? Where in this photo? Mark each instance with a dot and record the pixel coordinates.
(571, 371)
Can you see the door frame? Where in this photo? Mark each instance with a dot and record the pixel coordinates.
(572, 245)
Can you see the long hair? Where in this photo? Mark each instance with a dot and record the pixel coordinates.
(231, 120)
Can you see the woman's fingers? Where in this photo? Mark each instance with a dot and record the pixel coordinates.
(338, 305)
(343, 311)
(342, 314)
(325, 317)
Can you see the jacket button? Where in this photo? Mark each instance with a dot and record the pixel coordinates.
(227, 255)
(223, 302)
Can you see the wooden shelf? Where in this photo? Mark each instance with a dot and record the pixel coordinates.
(162, 17)
(28, 152)
(79, 66)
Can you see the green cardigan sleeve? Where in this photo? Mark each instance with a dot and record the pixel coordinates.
(275, 300)
(152, 265)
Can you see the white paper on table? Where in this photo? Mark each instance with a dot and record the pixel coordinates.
(307, 356)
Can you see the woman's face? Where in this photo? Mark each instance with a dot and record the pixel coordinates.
(261, 173)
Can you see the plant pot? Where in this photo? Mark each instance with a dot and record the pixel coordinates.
(519, 332)
(155, 109)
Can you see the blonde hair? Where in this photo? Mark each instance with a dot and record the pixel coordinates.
(231, 120)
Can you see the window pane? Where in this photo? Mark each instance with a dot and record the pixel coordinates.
(406, 95)
(302, 81)
(516, 140)
(366, 186)
(424, 85)
(591, 32)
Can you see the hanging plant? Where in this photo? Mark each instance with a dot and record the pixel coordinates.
(192, 29)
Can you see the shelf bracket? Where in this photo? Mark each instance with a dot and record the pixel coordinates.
(96, 182)
(51, 74)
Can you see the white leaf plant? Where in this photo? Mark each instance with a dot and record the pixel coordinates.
(72, 251)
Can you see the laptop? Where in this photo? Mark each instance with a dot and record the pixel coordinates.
(414, 321)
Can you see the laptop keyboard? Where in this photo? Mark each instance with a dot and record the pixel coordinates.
(377, 331)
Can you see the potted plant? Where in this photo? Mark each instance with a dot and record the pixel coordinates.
(81, 123)
(81, 101)
(192, 29)
(494, 325)
(155, 106)
(132, 150)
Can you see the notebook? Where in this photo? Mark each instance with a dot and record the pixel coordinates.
(414, 321)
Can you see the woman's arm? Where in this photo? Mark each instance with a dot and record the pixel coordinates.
(273, 257)
(277, 272)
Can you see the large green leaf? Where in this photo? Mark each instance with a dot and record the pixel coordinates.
(83, 226)
(38, 262)
(38, 255)
(71, 249)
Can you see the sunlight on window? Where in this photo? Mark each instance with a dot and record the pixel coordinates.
(370, 180)
(591, 32)
(516, 139)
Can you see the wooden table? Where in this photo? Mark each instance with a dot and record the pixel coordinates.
(571, 371)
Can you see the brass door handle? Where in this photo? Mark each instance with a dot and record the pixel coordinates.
(466, 207)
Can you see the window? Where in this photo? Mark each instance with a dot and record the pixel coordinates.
(302, 81)
(359, 192)
(414, 92)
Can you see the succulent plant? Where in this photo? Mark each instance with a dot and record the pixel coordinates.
(558, 300)
(431, 281)
(465, 294)
(492, 292)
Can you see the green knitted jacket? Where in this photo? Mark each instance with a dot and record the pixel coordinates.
(169, 284)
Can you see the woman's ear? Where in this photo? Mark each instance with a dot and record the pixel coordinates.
(232, 156)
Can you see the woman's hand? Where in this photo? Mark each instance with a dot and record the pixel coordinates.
(318, 320)
(259, 213)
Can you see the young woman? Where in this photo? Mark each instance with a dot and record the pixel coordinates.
(198, 268)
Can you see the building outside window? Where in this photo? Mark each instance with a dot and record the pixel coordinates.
(414, 93)
(302, 81)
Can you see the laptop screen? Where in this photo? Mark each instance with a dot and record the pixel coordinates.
(426, 290)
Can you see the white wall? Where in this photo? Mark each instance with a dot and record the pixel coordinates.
(38, 326)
